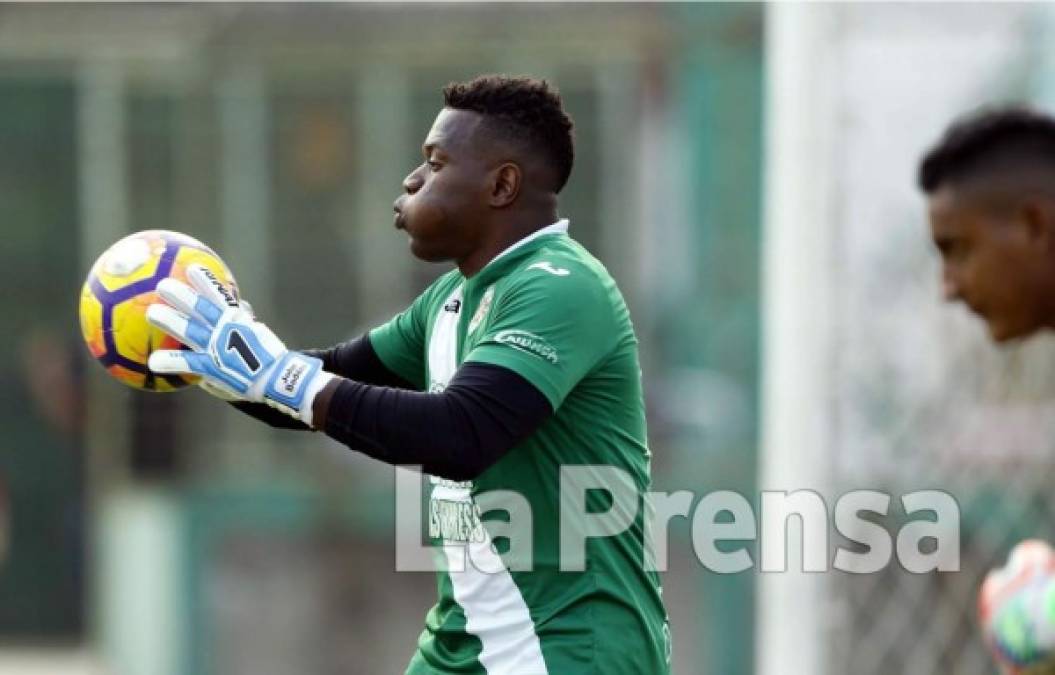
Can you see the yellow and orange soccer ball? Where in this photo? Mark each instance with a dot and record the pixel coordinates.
(116, 294)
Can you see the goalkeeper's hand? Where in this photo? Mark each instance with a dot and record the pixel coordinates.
(213, 390)
(231, 351)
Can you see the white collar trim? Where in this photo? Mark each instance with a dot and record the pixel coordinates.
(559, 227)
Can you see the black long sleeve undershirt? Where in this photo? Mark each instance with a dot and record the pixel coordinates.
(355, 360)
(483, 413)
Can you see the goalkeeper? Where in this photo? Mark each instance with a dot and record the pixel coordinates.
(990, 184)
(521, 360)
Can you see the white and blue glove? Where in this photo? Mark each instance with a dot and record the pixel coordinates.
(229, 349)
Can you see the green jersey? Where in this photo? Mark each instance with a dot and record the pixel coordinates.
(549, 311)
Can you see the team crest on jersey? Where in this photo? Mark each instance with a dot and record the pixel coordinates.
(483, 309)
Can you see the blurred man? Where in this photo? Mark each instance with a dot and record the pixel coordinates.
(990, 184)
(517, 363)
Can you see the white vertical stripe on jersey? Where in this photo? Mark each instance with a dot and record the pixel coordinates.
(495, 611)
(443, 345)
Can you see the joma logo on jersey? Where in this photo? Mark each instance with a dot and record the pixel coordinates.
(455, 521)
(547, 266)
(528, 342)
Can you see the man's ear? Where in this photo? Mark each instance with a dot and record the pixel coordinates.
(1039, 217)
(506, 185)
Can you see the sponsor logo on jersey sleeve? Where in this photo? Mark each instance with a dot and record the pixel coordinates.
(528, 342)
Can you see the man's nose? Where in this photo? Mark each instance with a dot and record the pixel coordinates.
(413, 182)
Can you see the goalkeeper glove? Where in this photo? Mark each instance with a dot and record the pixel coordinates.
(224, 394)
(229, 349)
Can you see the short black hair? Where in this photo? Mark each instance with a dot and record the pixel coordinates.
(1003, 138)
(524, 108)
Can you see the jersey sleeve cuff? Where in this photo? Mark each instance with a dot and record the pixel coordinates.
(523, 367)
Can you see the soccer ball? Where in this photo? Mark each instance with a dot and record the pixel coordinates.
(1016, 608)
(117, 292)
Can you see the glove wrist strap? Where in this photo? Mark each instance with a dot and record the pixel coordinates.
(294, 383)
